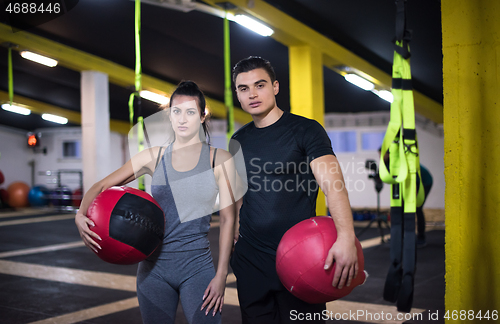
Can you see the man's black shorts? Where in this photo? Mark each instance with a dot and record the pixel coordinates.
(262, 297)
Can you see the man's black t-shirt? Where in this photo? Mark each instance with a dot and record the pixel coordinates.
(282, 190)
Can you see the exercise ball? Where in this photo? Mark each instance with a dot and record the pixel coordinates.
(300, 261)
(2, 178)
(130, 223)
(18, 194)
(61, 196)
(77, 197)
(39, 196)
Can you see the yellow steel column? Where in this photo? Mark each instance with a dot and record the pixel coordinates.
(306, 82)
(306, 91)
(471, 79)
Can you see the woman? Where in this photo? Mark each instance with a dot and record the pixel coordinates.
(186, 177)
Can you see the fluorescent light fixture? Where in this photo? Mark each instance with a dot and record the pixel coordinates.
(251, 24)
(359, 81)
(55, 119)
(162, 100)
(16, 109)
(384, 94)
(38, 58)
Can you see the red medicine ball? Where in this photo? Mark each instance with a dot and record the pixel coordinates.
(300, 261)
(130, 223)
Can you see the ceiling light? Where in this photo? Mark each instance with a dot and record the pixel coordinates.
(55, 119)
(251, 24)
(384, 94)
(16, 109)
(359, 81)
(162, 100)
(38, 58)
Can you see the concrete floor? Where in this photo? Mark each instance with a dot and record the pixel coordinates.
(48, 276)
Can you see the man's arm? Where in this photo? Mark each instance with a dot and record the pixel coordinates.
(326, 170)
(238, 204)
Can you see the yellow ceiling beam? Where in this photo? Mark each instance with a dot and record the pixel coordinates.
(80, 61)
(218, 109)
(74, 117)
(291, 32)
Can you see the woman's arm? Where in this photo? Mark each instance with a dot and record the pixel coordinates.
(226, 176)
(139, 165)
(224, 173)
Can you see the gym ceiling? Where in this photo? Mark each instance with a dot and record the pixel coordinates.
(176, 45)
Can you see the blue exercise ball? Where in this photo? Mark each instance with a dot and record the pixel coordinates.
(38, 196)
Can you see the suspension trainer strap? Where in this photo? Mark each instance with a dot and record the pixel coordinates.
(228, 94)
(141, 131)
(402, 33)
(11, 77)
(401, 142)
(405, 298)
(395, 273)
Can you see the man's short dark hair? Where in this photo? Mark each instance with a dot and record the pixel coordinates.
(251, 63)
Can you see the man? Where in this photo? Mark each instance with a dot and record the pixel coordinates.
(286, 158)
(427, 183)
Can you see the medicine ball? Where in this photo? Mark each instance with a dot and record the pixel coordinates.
(39, 196)
(18, 194)
(77, 197)
(300, 261)
(130, 223)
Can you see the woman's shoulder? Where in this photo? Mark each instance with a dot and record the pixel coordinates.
(154, 150)
(149, 157)
(220, 152)
(221, 155)
(151, 153)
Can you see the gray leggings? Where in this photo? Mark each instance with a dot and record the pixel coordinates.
(161, 282)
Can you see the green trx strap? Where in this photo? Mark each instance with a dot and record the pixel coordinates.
(138, 87)
(401, 142)
(228, 95)
(11, 77)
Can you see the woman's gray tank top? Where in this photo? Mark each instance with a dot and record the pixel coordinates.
(187, 199)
